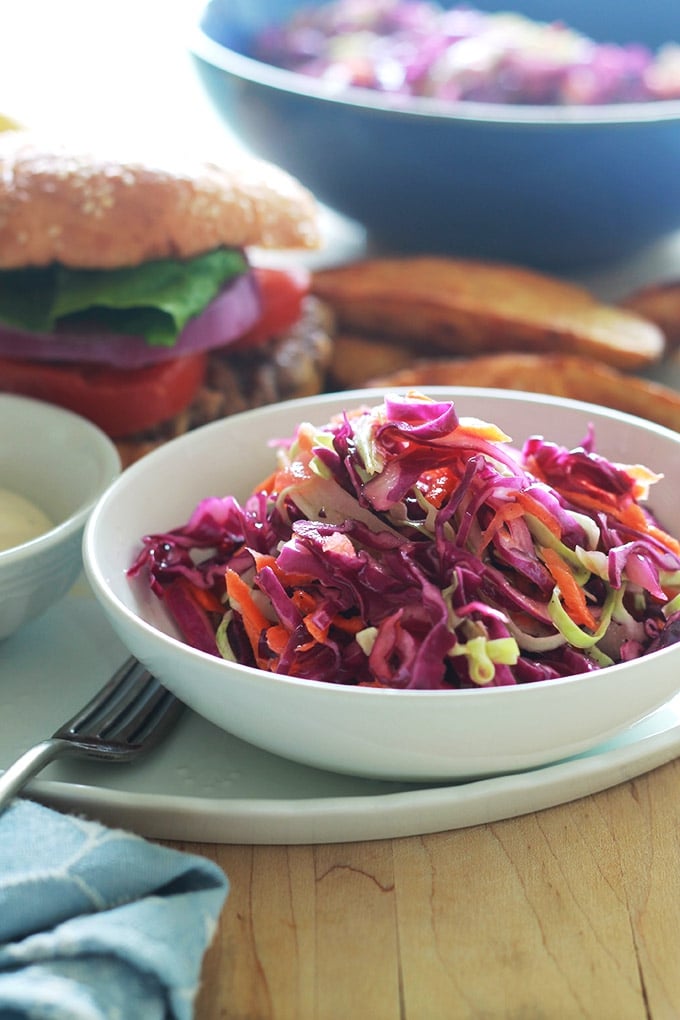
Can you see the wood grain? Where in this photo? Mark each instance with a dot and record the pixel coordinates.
(571, 912)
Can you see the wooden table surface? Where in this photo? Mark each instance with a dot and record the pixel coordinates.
(569, 912)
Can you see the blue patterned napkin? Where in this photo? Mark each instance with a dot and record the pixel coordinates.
(96, 923)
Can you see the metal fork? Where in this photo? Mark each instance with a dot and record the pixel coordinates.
(128, 716)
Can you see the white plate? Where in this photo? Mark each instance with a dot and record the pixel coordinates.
(205, 785)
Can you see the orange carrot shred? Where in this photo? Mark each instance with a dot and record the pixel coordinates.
(267, 484)
(534, 507)
(262, 560)
(631, 515)
(665, 539)
(205, 599)
(254, 620)
(290, 580)
(351, 625)
(306, 647)
(303, 601)
(277, 638)
(574, 596)
(476, 429)
(508, 512)
(320, 634)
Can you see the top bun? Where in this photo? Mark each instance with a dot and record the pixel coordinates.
(86, 210)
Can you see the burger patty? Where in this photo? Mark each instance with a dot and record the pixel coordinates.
(293, 364)
(288, 366)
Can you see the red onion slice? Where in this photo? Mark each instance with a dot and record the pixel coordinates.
(232, 313)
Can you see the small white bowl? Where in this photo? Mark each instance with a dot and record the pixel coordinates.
(392, 734)
(61, 463)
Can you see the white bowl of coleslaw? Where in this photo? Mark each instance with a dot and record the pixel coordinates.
(515, 604)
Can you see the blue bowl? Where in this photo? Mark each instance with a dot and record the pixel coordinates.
(553, 187)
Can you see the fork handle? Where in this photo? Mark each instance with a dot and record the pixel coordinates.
(14, 778)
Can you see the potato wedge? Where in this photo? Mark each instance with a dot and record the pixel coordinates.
(464, 307)
(356, 359)
(659, 303)
(558, 375)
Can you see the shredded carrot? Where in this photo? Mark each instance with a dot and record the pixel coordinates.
(573, 595)
(665, 539)
(351, 625)
(479, 429)
(254, 620)
(631, 514)
(534, 507)
(239, 592)
(508, 512)
(205, 599)
(303, 601)
(286, 578)
(305, 438)
(306, 647)
(525, 621)
(262, 560)
(320, 634)
(643, 478)
(267, 484)
(290, 580)
(277, 638)
(298, 469)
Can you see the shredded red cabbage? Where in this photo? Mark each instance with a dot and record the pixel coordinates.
(417, 48)
(402, 546)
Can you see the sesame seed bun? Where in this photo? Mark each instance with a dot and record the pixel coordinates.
(60, 203)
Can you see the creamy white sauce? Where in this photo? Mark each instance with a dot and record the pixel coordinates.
(20, 520)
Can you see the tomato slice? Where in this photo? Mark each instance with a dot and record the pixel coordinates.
(282, 292)
(120, 402)
(437, 484)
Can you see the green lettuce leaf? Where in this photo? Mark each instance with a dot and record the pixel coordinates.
(154, 300)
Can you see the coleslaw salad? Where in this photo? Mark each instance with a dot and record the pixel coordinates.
(421, 48)
(403, 546)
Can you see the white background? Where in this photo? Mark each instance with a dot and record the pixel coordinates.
(113, 68)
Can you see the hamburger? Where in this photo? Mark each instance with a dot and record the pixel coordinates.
(128, 291)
